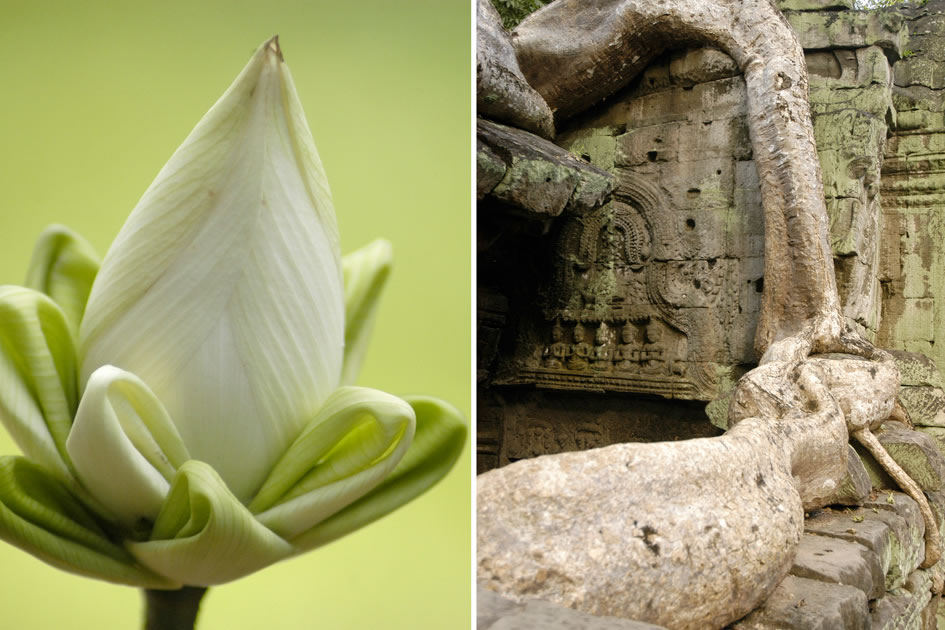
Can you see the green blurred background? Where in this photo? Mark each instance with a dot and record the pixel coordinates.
(96, 97)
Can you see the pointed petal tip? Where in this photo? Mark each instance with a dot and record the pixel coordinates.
(273, 46)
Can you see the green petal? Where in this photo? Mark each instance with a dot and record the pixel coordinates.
(437, 444)
(40, 516)
(355, 440)
(124, 447)
(37, 376)
(63, 267)
(365, 271)
(204, 535)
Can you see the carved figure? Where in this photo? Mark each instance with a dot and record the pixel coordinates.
(556, 353)
(603, 350)
(653, 356)
(579, 353)
(627, 355)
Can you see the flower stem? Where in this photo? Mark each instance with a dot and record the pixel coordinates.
(172, 610)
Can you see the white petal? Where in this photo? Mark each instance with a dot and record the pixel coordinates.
(223, 289)
(124, 447)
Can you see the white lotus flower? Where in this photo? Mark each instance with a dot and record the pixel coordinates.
(217, 430)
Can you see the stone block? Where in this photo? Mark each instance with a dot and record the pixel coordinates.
(845, 68)
(541, 178)
(809, 604)
(849, 29)
(838, 561)
(814, 5)
(916, 322)
(494, 612)
(925, 405)
(906, 533)
(650, 144)
(916, 453)
(853, 526)
(855, 486)
(916, 369)
(490, 169)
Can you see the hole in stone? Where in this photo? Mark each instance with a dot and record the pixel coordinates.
(692, 193)
(760, 285)
(690, 224)
(706, 122)
(586, 157)
(718, 172)
(652, 155)
(696, 283)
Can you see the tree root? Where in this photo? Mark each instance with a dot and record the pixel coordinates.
(933, 541)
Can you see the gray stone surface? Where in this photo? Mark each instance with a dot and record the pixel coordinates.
(906, 534)
(854, 526)
(916, 452)
(853, 29)
(855, 486)
(495, 612)
(814, 5)
(837, 561)
(811, 605)
(539, 177)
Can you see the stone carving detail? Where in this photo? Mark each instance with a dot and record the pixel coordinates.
(612, 313)
(532, 437)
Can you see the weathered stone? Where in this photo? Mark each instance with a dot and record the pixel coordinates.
(925, 406)
(840, 562)
(907, 534)
(916, 369)
(916, 452)
(854, 29)
(490, 169)
(540, 177)
(856, 485)
(854, 526)
(501, 90)
(812, 605)
(814, 5)
(495, 612)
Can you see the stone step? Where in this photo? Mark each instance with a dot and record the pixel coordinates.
(837, 561)
(811, 604)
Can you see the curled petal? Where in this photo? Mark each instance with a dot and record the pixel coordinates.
(356, 439)
(37, 376)
(365, 273)
(437, 444)
(204, 535)
(39, 515)
(63, 267)
(223, 290)
(124, 447)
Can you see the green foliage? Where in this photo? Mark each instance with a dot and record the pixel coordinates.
(514, 11)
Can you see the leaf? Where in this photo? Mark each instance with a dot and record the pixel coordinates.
(353, 442)
(40, 516)
(204, 535)
(63, 267)
(37, 376)
(124, 447)
(437, 444)
(223, 290)
(365, 274)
